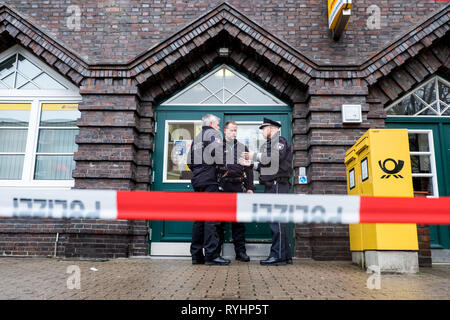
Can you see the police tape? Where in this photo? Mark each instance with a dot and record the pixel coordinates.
(240, 207)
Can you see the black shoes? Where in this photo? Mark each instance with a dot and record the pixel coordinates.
(198, 259)
(219, 261)
(242, 256)
(271, 261)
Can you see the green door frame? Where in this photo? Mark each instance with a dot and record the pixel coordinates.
(440, 126)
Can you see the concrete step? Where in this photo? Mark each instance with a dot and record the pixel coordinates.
(440, 255)
(181, 249)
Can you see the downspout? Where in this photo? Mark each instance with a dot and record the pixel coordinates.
(56, 244)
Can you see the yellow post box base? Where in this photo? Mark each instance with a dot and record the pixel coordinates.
(387, 261)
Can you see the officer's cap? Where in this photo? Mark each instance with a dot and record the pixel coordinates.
(269, 122)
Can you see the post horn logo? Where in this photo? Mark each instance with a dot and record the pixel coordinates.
(398, 166)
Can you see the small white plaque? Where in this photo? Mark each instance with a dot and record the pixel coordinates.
(351, 178)
(351, 113)
(364, 170)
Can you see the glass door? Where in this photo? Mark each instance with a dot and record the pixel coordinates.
(250, 135)
(174, 136)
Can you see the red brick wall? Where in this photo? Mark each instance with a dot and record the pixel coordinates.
(423, 234)
(117, 31)
(77, 238)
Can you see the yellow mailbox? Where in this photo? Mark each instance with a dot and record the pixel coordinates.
(379, 165)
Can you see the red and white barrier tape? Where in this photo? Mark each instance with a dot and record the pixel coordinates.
(189, 206)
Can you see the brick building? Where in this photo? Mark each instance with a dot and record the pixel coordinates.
(91, 94)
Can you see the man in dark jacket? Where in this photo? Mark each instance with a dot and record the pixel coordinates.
(234, 177)
(204, 156)
(275, 167)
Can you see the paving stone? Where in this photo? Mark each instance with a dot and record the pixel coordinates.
(147, 279)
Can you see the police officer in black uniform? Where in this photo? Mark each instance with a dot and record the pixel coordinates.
(233, 177)
(275, 167)
(205, 150)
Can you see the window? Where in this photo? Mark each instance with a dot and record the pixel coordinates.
(56, 141)
(223, 86)
(17, 72)
(177, 143)
(430, 99)
(14, 120)
(178, 139)
(251, 136)
(423, 163)
(38, 113)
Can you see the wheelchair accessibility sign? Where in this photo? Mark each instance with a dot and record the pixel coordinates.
(302, 179)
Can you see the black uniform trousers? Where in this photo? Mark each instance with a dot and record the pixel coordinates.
(280, 248)
(237, 228)
(205, 234)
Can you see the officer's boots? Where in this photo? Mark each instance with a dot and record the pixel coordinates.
(242, 256)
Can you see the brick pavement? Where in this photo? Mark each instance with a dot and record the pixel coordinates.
(40, 278)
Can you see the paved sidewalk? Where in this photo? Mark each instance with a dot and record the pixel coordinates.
(40, 278)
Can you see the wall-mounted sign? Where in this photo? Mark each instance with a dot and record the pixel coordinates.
(302, 177)
(351, 178)
(338, 16)
(303, 180)
(364, 170)
(351, 113)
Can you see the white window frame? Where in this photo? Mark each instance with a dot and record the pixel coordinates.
(433, 173)
(36, 98)
(442, 106)
(166, 149)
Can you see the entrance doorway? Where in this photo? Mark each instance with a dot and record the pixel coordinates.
(178, 124)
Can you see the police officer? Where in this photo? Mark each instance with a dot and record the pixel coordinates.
(233, 177)
(206, 148)
(275, 167)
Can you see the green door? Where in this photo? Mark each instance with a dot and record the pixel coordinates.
(176, 127)
(426, 169)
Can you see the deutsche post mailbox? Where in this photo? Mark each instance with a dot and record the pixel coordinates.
(379, 165)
